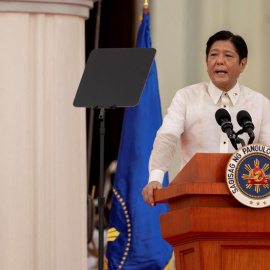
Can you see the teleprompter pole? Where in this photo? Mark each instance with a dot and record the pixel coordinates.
(112, 78)
(101, 199)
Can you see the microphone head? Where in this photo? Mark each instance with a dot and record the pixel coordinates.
(243, 116)
(221, 114)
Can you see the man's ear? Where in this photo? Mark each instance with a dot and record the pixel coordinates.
(243, 64)
(206, 63)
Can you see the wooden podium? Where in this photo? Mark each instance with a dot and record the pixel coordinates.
(208, 228)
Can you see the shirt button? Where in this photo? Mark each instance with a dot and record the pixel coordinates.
(224, 106)
(224, 142)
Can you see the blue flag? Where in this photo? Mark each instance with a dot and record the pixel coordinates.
(134, 236)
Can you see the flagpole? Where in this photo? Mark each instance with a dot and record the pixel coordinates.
(126, 236)
(145, 7)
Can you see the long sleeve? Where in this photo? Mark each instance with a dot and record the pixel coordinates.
(167, 137)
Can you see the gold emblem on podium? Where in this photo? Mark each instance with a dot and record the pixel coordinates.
(256, 177)
(248, 175)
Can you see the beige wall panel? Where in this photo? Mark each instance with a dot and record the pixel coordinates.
(180, 29)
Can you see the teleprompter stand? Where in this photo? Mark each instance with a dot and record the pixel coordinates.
(112, 78)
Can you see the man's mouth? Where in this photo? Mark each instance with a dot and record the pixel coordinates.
(221, 72)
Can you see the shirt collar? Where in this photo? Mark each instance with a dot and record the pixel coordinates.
(215, 93)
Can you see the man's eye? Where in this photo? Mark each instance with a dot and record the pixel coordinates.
(228, 55)
(213, 54)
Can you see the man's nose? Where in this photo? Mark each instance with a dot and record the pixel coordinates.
(220, 59)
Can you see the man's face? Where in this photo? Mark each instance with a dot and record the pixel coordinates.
(223, 65)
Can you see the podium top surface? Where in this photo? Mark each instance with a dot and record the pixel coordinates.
(203, 174)
(114, 77)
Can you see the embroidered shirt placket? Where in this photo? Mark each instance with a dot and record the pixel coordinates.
(224, 140)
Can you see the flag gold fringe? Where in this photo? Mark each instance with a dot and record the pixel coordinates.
(168, 267)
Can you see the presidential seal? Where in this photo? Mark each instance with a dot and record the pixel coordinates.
(248, 175)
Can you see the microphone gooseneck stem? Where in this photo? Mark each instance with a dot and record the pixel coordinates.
(239, 140)
(234, 143)
(251, 139)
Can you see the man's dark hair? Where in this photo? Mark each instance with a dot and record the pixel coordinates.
(238, 42)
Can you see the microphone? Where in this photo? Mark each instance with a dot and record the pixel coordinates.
(223, 118)
(244, 120)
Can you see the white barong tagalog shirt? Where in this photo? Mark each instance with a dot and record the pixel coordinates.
(191, 120)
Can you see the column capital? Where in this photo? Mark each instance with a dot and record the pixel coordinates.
(66, 7)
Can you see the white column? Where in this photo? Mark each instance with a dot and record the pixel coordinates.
(42, 136)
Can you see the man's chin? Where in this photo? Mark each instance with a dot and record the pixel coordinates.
(222, 85)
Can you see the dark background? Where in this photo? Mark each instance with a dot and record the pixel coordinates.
(117, 30)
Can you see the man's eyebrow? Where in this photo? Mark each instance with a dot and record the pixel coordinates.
(213, 50)
(227, 51)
